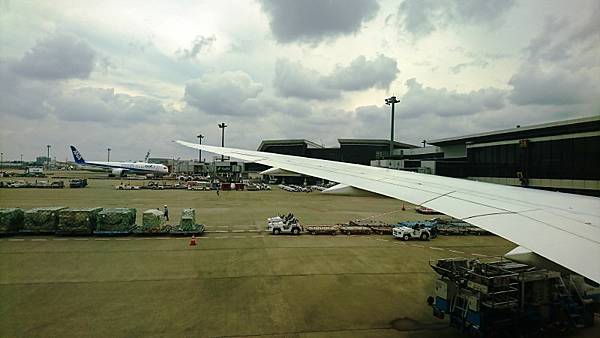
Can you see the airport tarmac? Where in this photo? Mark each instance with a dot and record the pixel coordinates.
(231, 284)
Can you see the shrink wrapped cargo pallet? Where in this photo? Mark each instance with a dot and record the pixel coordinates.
(11, 220)
(75, 221)
(188, 224)
(115, 221)
(41, 220)
(153, 221)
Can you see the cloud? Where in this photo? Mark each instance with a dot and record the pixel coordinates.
(481, 63)
(221, 94)
(103, 105)
(532, 85)
(315, 20)
(560, 65)
(200, 43)
(364, 74)
(422, 17)
(419, 100)
(57, 57)
(294, 80)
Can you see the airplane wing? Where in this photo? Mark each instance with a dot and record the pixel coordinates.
(563, 228)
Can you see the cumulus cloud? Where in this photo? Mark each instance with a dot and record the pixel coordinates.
(419, 100)
(103, 105)
(422, 17)
(316, 20)
(200, 43)
(363, 74)
(221, 94)
(532, 85)
(561, 65)
(294, 80)
(57, 57)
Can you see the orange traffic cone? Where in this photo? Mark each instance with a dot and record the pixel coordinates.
(193, 240)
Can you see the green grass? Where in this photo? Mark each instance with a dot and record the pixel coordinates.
(229, 208)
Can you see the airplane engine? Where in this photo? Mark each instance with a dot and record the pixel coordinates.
(118, 172)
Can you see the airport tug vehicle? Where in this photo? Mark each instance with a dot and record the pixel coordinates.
(284, 225)
(418, 231)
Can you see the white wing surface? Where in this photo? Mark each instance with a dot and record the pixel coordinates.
(564, 228)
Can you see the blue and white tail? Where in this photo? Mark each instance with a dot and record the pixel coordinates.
(77, 156)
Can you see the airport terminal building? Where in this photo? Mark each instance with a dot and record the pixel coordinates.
(563, 156)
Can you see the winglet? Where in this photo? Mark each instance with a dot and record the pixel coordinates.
(77, 156)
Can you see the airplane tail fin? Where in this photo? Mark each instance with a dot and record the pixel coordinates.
(77, 156)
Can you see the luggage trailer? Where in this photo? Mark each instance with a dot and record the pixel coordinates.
(501, 297)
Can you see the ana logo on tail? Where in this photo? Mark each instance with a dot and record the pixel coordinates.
(76, 155)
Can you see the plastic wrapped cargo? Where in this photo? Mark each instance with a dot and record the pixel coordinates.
(188, 224)
(74, 221)
(153, 221)
(41, 220)
(188, 219)
(115, 220)
(11, 220)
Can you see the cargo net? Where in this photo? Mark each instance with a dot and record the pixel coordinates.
(116, 220)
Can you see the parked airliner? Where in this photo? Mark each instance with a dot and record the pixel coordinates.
(122, 168)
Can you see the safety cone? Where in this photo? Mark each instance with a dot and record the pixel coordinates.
(193, 240)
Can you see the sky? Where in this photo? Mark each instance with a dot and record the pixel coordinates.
(135, 75)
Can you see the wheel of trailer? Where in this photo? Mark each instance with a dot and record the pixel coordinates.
(276, 231)
(313, 233)
(406, 237)
(424, 236)
(295, 231)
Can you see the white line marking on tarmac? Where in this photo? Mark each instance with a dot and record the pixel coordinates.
(457, 251)
(123, 239)
(220, 237)
(436, 248)
(163, 238)
(102, 239)
(38, 239)
(479, 255)
(261, 236)
(417, 245)
(80, 239)
(238, 237)
(238, 231)
(16, 239)
(60, 239)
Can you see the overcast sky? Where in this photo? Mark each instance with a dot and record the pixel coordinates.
(134, 75)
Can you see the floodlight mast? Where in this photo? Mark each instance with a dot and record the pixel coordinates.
(108, 155)
(48, 156)
(392, 101)
(222, 125)
(200, 137)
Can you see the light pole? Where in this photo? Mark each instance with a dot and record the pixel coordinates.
(108, 155)
(48, 156)
(200, 137)
(392, 101)
(424, 143)
(222, 125)
(21, 158)
(1, 160)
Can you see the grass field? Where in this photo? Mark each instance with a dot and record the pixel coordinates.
(229, 208)
(238, 281)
